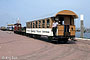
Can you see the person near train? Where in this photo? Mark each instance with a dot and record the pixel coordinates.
(54, 27)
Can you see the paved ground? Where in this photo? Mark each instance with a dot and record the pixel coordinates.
(18, 47)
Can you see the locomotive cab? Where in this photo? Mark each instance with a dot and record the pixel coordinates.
(17, 28)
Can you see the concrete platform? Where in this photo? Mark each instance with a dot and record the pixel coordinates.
(18, 47)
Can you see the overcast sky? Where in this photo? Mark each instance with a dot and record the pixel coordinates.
(28, 10)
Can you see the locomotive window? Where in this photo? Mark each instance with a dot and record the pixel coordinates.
(43, 24)
(48, 23)
(39, 24)
(36, 24)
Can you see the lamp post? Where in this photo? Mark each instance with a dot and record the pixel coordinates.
(82, 25)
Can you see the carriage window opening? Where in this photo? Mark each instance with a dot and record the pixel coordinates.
(36, 24)
(39, 24)
(43, 24)
(48, 23)
(71, 20)
(33, 24)
(28, 24)
(61, 20)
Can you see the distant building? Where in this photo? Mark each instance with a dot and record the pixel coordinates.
(88, 30)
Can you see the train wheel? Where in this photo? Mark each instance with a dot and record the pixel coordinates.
(14, 31)
(24, 33)
(66, 40)
(31, 35)
(27, 34)
(37, 36)
(50, 38)
(63, 40)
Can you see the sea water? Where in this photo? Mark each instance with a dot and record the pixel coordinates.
(86, 34)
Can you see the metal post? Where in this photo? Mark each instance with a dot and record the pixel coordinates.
(82, 25)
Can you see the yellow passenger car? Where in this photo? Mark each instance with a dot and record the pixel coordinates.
(65, 28)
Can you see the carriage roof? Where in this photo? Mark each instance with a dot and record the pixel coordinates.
(63, 12)
(67, 12)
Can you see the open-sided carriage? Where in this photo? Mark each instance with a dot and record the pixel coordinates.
(65, 28)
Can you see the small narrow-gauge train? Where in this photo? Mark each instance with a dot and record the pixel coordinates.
(43, 27)
(18, 29)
